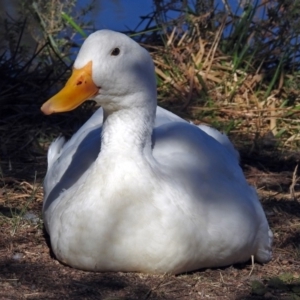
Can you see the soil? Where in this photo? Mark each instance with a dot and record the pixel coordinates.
(28, 269)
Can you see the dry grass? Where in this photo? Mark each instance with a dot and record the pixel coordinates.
(197, 79)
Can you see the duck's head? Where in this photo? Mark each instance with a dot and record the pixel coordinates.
(111, 69)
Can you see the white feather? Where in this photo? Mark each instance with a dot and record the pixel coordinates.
(146, 191)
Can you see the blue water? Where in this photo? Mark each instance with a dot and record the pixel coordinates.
(120, 15)
(125, 15)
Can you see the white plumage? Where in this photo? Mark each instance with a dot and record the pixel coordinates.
(146, 191)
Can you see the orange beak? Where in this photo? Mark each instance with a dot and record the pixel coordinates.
(79, 87)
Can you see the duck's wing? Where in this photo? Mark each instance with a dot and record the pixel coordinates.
(80, 151)
(203, 166)
(208, 150)
(57, 148)
(164, 116)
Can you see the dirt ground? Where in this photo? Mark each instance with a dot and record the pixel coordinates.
(28, 269)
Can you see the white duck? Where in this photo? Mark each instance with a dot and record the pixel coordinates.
(135, 190)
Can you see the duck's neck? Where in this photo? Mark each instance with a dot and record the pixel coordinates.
(127, 131)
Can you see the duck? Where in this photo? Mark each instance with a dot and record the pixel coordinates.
(137, 188)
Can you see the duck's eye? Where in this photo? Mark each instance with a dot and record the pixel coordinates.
(115, 52)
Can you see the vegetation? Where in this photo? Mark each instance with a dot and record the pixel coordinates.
(236, 68)
(237, 71)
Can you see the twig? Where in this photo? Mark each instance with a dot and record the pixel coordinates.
(49, 35)
(292, 186)
(155, 288)
(252, 263)
(222, 279)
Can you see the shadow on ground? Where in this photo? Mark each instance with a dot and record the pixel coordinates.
(31, 280)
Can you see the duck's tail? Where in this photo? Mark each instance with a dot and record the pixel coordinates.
(55, 150)
(264, 251)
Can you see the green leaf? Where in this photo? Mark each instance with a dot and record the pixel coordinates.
(71, 22)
